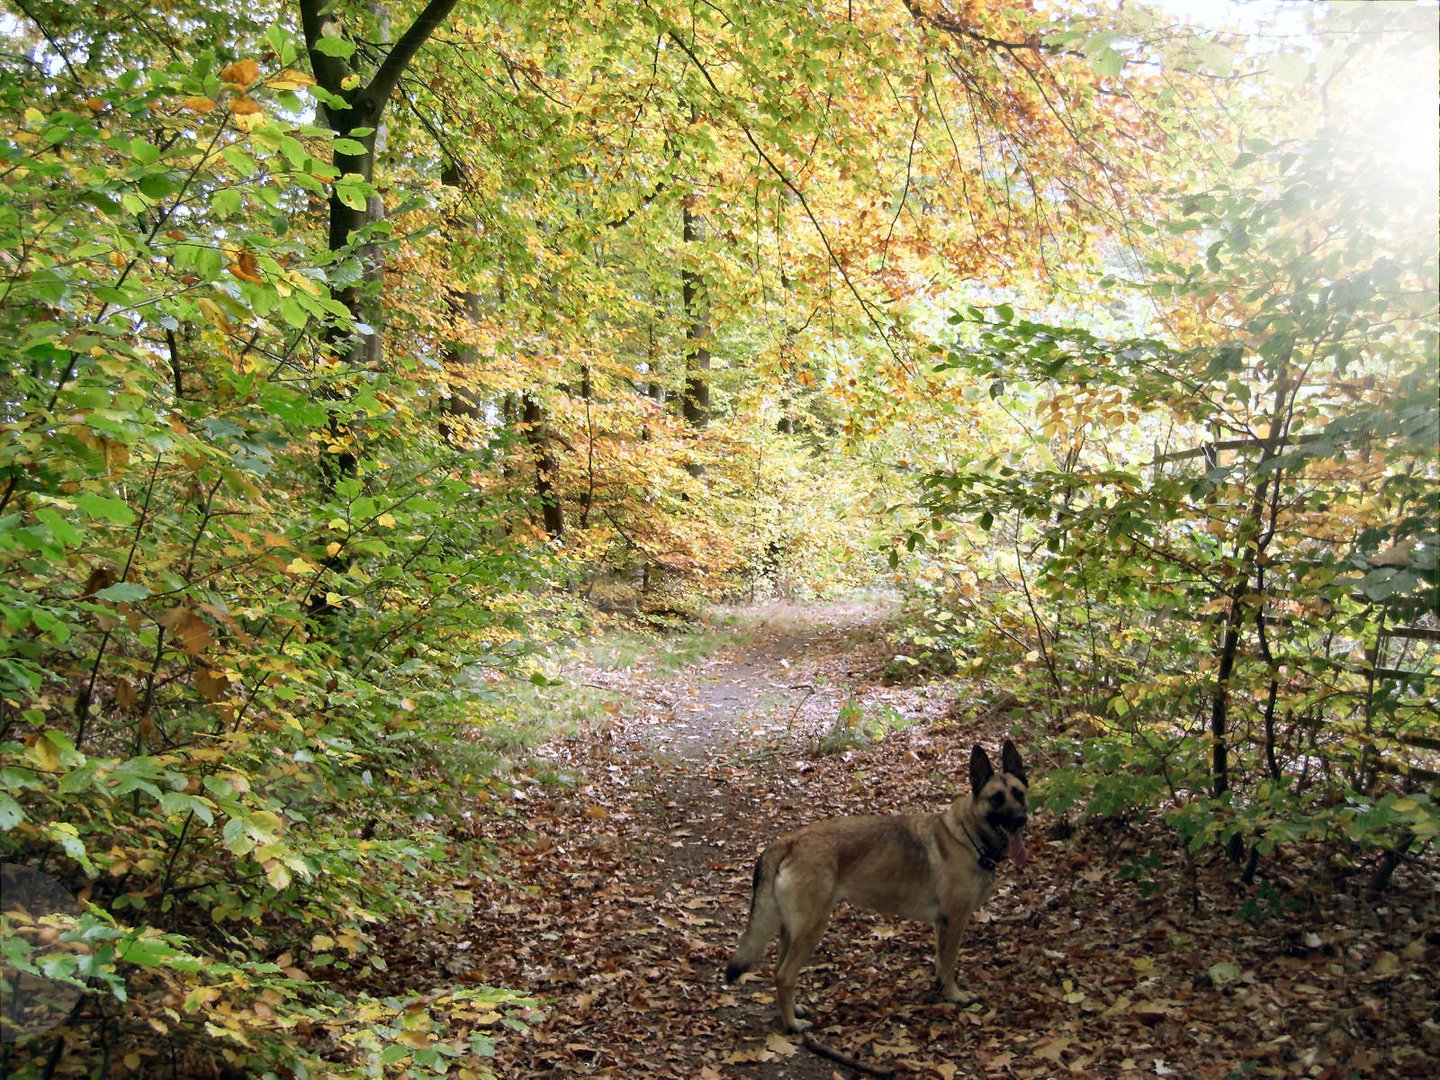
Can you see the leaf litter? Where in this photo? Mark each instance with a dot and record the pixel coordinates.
(616, 903)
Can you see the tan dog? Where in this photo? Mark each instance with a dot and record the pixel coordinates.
(935, 867)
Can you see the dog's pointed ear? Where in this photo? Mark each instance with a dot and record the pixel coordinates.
(1010, 761)
(980, 768)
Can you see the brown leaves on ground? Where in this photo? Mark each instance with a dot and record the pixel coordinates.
(617, 902)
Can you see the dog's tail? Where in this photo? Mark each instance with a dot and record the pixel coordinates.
(764, 915)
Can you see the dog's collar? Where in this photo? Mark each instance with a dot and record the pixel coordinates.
(988, 859)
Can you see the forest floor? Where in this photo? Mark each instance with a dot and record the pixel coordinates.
(618, 900)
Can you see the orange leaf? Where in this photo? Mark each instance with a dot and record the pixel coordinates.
(240, 73)
(197, 104)
(244, 267)
(210, 683)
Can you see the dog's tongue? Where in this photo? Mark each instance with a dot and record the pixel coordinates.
(1018, 852)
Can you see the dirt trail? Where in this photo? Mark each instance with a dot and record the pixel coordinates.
(688, 783)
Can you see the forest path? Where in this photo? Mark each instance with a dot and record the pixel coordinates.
(615, 903)
(645, 899)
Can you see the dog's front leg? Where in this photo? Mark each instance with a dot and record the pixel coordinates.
(949, 926)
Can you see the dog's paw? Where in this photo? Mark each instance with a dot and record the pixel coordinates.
(956, 996)
(797, 1025)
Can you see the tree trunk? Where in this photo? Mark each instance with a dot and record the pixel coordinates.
(363, 110)
(532, 419)
(1250, 549)
(460, 359)
(695, 403)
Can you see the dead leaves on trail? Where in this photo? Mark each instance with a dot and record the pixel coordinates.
(617, 903)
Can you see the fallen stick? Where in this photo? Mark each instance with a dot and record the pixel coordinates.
(815, 1046)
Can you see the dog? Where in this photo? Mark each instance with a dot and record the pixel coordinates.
(936, 867)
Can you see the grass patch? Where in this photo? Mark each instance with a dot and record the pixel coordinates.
(576, 689)
(654, 652)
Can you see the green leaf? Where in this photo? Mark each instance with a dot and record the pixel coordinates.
(349, 146)
(236, 838)
(335, 46)
(393, 1053)
(177, 802)
(68, 837)
(157, 186)
(351, 190)
(226, 202)
(145, 951)
(10, 813)
(105, 507)
(124, 592)
(1109, 62)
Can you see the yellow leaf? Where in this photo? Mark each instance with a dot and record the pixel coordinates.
(45, 753)
(214, 315)
(197, 104)
(388, 520)
(299, 566)
(290, 79)
(200, 997)
(277, 873)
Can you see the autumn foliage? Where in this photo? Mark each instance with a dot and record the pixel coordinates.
(361, 356)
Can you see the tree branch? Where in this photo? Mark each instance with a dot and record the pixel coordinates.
(398, 59)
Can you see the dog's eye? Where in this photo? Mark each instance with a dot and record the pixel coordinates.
(997, 799)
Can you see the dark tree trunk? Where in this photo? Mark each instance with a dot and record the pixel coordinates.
(532, 419)
(1254, 537)
(460, 358)
(366, 103)
(695, 403)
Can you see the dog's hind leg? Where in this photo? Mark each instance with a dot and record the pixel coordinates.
(803, 926)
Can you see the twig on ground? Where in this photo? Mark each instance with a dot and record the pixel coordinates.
(815, 1046)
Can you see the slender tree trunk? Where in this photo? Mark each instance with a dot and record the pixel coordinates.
(695, 404)
(532, 419)
(460, 359)
(359, 119)
(1252, 541)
